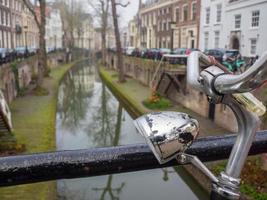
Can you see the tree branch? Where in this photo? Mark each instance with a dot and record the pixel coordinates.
(29, 5)
(94, 7)
(122, 5)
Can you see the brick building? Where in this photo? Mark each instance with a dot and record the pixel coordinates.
(170, 24)
(155, 24)
(187, 18)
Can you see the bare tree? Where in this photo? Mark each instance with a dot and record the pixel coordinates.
(72, 16)
(101, 9)
(118, 38)
(40, 20)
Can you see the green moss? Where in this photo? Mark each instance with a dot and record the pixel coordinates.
(15, 70)
(163, 103)
(132, 106)
(40, 91)
(252, 192)
(218, 168)
(34, 119)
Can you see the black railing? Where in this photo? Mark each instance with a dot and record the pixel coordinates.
(102, 161)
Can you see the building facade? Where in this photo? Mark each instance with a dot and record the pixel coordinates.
(246, 26)
(17, 23)
(84, 35)
(110, 39)
(212, 24)
(170, 24)
(155, 17)
(5, 24)
(133, 32)
(234, 24)
(54, 29)
(30, 31)
(187, 18)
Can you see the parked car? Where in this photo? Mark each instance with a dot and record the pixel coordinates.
(11, 56)
(21, 52)
(49, 49)
(143, 52)
(152, 53)
(3, 55)
(129, 51)
(162, 52)
(184, 52)
(32, 50)
(136, 52)
(222, 54)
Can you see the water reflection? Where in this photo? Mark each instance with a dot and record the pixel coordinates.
(78, 84)
(104, 125)
(90, 116)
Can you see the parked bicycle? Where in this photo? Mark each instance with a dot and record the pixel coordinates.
(169, 134)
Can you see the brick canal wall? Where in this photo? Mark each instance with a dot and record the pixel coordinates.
(143, 70)
(18, 75)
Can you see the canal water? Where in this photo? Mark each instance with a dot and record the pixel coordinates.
(90, 116)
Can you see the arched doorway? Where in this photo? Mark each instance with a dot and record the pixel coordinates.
(235, 43)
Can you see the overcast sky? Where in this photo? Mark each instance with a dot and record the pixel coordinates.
(128, 13)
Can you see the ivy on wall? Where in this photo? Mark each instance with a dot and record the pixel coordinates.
(14, 67)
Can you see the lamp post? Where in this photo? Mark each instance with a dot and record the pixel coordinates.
(172, 26)
(26, 39)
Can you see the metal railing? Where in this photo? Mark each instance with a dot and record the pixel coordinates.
(103, 161)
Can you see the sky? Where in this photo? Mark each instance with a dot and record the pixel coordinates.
(126, 14)
(129, 12)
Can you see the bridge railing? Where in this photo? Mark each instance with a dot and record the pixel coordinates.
(103, 161)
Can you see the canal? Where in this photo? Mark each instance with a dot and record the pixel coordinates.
(90, 116)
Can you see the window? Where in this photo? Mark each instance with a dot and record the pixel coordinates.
(159, 26)
(7, 21)
(219, 13)
(253, 46)
(206, 40)
(194, 11)
(177, 15)
(185, 12)
(237, 21)
(216, 39)
(4, 18)
(207, 15)
(255, 18)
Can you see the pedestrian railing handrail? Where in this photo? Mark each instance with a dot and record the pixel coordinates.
(41, 167)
